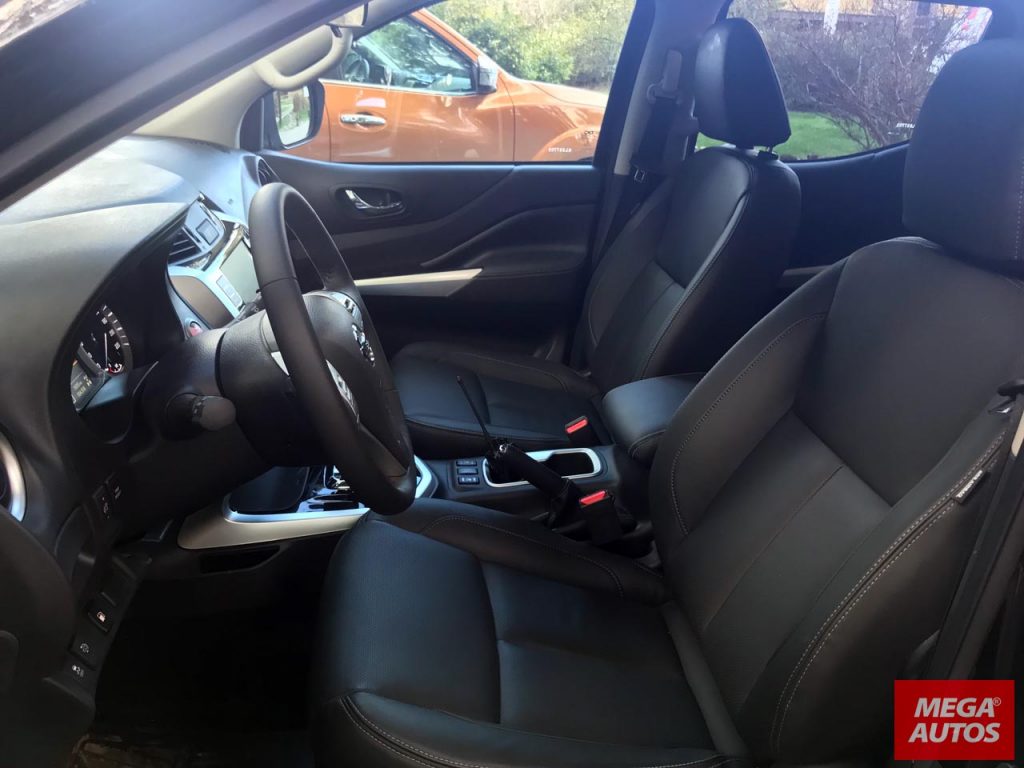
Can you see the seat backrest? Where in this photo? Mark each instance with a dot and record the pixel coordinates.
(698, 264)
(805, 494)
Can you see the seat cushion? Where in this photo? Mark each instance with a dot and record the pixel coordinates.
(521, 398)
(460, 636)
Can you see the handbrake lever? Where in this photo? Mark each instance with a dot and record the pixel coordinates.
(509, 460)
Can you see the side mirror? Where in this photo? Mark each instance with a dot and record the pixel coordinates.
(291, 118)
(486, 74)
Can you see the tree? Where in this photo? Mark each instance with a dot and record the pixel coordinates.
(872, 72)
(573, 42)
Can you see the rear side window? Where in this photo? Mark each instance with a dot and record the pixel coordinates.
(855, 72)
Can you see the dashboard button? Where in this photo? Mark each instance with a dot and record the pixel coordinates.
(115, 489)
(468, 471)
(208, 231)
(465, 462)
(469, 480)
(101, 612)
(102, 499)
(90, 644)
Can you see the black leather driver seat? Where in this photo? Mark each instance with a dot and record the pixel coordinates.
(805, 507)
(693, 269)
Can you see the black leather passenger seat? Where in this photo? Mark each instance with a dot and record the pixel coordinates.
(693, 269)
(811, 502)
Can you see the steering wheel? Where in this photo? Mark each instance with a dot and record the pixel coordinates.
(355, 69)
(329, 348)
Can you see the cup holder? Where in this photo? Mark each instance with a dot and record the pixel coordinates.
(573, 463)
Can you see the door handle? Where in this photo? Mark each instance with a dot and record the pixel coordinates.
(361, 118)
(370, 209)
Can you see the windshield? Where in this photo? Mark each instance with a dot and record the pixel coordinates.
(20, 16)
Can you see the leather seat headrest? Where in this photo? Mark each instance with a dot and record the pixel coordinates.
(737, 97)
(964, 182)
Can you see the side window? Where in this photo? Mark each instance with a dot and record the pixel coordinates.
(509, 81)
(855, 72)
(405, 54)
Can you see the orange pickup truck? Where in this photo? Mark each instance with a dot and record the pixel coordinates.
(416, 91)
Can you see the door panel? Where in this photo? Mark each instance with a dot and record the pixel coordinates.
(435, 127)
(516, 237)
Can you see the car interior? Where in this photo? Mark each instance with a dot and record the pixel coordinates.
(676, 455)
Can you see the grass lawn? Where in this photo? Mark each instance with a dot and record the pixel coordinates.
(814, 135)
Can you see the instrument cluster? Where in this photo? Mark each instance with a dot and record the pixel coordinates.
(104, 352)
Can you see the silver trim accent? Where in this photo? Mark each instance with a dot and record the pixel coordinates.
(218, 526)
(595, 461)
(432, 284)
(211, 274)
(357, 118)
(15, 479)
(345, 300)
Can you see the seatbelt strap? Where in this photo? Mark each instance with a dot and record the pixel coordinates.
(996, 555)
(657, 153)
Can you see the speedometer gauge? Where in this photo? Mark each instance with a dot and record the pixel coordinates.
(105, 347)
(103, 353)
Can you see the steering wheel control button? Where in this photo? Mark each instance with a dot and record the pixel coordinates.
(469, 480)
(364, 345)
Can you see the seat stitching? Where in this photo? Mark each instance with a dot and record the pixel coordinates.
(1020, 209)
(497, 638)
(649, 436)
(718, 401)
(693, 287)
(389, 747)
(601, 276)
(794, 512)
(849, 609)
(516, 365)
(350, 707)
(908, 531)
(457, 519)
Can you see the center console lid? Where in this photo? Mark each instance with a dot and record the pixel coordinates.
(637, 413)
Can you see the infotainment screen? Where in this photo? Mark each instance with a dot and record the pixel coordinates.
(239, 270)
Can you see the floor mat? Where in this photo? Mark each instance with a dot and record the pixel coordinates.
(279, 750)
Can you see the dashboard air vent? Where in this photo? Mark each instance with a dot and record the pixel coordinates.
(265, 173)
(183, 247)
(12, 483)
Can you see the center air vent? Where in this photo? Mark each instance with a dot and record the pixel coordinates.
(12, 483)
(183, 247)
(265, 173)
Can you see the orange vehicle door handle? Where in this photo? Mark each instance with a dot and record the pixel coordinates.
(361, 118)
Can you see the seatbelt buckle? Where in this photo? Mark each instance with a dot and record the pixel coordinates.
(640, 175)
(601, 516)
(580, 432)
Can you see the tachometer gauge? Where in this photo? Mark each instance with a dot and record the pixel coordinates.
(105, 348)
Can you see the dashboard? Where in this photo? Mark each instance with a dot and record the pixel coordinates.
(112, 267)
